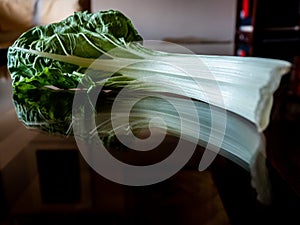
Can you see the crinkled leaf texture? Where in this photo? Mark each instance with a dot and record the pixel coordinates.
(84, 35)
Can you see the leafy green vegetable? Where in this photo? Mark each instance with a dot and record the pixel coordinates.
(104, 49)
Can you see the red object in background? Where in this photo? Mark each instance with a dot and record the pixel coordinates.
(245, 9)
(241, 52)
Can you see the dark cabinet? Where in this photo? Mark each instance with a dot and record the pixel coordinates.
(268, 28)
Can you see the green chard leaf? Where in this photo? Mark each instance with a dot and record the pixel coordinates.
(83, 34)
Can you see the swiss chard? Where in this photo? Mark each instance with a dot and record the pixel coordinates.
(106, 43)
